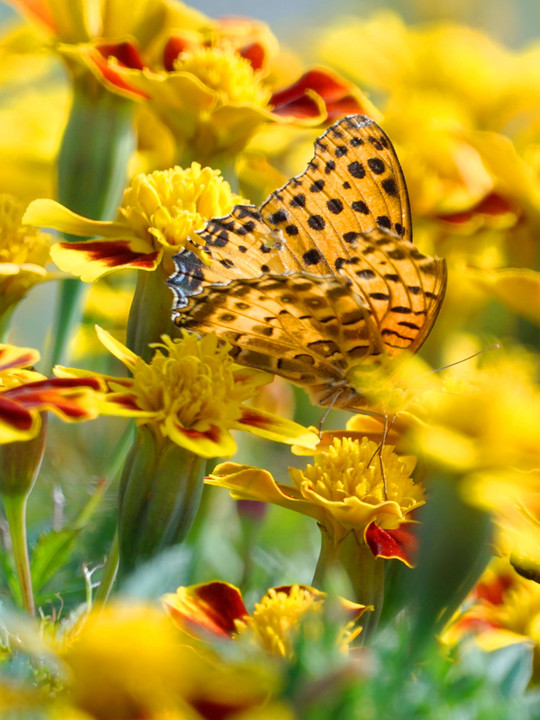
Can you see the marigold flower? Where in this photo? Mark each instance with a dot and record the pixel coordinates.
(193, 394)
(212, 85)
(130, 661)
(481, 420)
(217, 609)
(24, 252)
(344, 490)
(24, 394)
(502, 609)
(157, 218)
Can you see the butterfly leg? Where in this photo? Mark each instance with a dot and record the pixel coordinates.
(327, 410)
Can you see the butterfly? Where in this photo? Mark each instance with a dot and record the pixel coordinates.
(322, 284)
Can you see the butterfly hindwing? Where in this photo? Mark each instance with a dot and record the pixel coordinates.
(324, 276)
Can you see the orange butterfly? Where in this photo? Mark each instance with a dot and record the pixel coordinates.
(322, 285)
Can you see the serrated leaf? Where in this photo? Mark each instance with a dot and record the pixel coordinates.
(51, 553)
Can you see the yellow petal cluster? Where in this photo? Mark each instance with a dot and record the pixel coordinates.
(167, 206)
(24, 252)
(226, 72)
(275, 619)
(358, 478)
(191, 381)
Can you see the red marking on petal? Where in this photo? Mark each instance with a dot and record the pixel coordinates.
(112, 73)
(20, 361)
(302, 107)
(491, 204)
(255, 53)
(113, 253)
(220, 605)
(14, 414)
(127, 401)
(252, 417)
(210, 710)
(212, 433)
(60, 393)
(493, 592)
(173, 48)
(398, 543)
(335, 93)
(126, 53)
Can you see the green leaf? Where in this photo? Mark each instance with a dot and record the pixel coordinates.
(510, 668)
(454, 549)
(52, 552)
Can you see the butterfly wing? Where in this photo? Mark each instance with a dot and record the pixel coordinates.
(338, 235)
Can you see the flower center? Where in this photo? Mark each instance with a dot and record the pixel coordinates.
(170, 205)
(226, 72)
(277, 616)
(190, 381)
(350, 468)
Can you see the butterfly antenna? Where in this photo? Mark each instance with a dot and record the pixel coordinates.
(495, 346)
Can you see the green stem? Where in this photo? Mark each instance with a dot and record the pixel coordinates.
(365, 574)
(109, 573)
(92, 167)
(15, 509)
(150, 313)
(5, 322)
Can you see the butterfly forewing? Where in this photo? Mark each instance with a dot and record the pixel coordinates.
(324, 276)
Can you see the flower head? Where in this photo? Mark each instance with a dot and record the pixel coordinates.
(502, 609)
(157, 219)
(217, 609)
(24, 394)
(227, 73)
(24, 252)
(192, 393)
(350, 487)
(127, 661)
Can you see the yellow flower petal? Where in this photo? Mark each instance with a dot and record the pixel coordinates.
(49, 213)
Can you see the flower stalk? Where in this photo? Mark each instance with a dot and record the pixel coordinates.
(97, 144)
(160, 493)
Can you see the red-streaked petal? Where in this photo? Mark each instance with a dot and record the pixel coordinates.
(71, 398)
(12, 356)
(399, 543)
(14, 414)
(277, 428)
(255, 53)
(91, 259)
(212, 441)
(112, 73)
(126, 53)
(207, 608)
(491, 204)
(303, 107)
(339, 96)
(173, 47)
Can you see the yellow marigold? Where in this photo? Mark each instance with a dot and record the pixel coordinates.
(24, 252)
(157, 219)
(192, 393)
(216, 610)
(350, 487)
(226, 72)
(276, 618)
